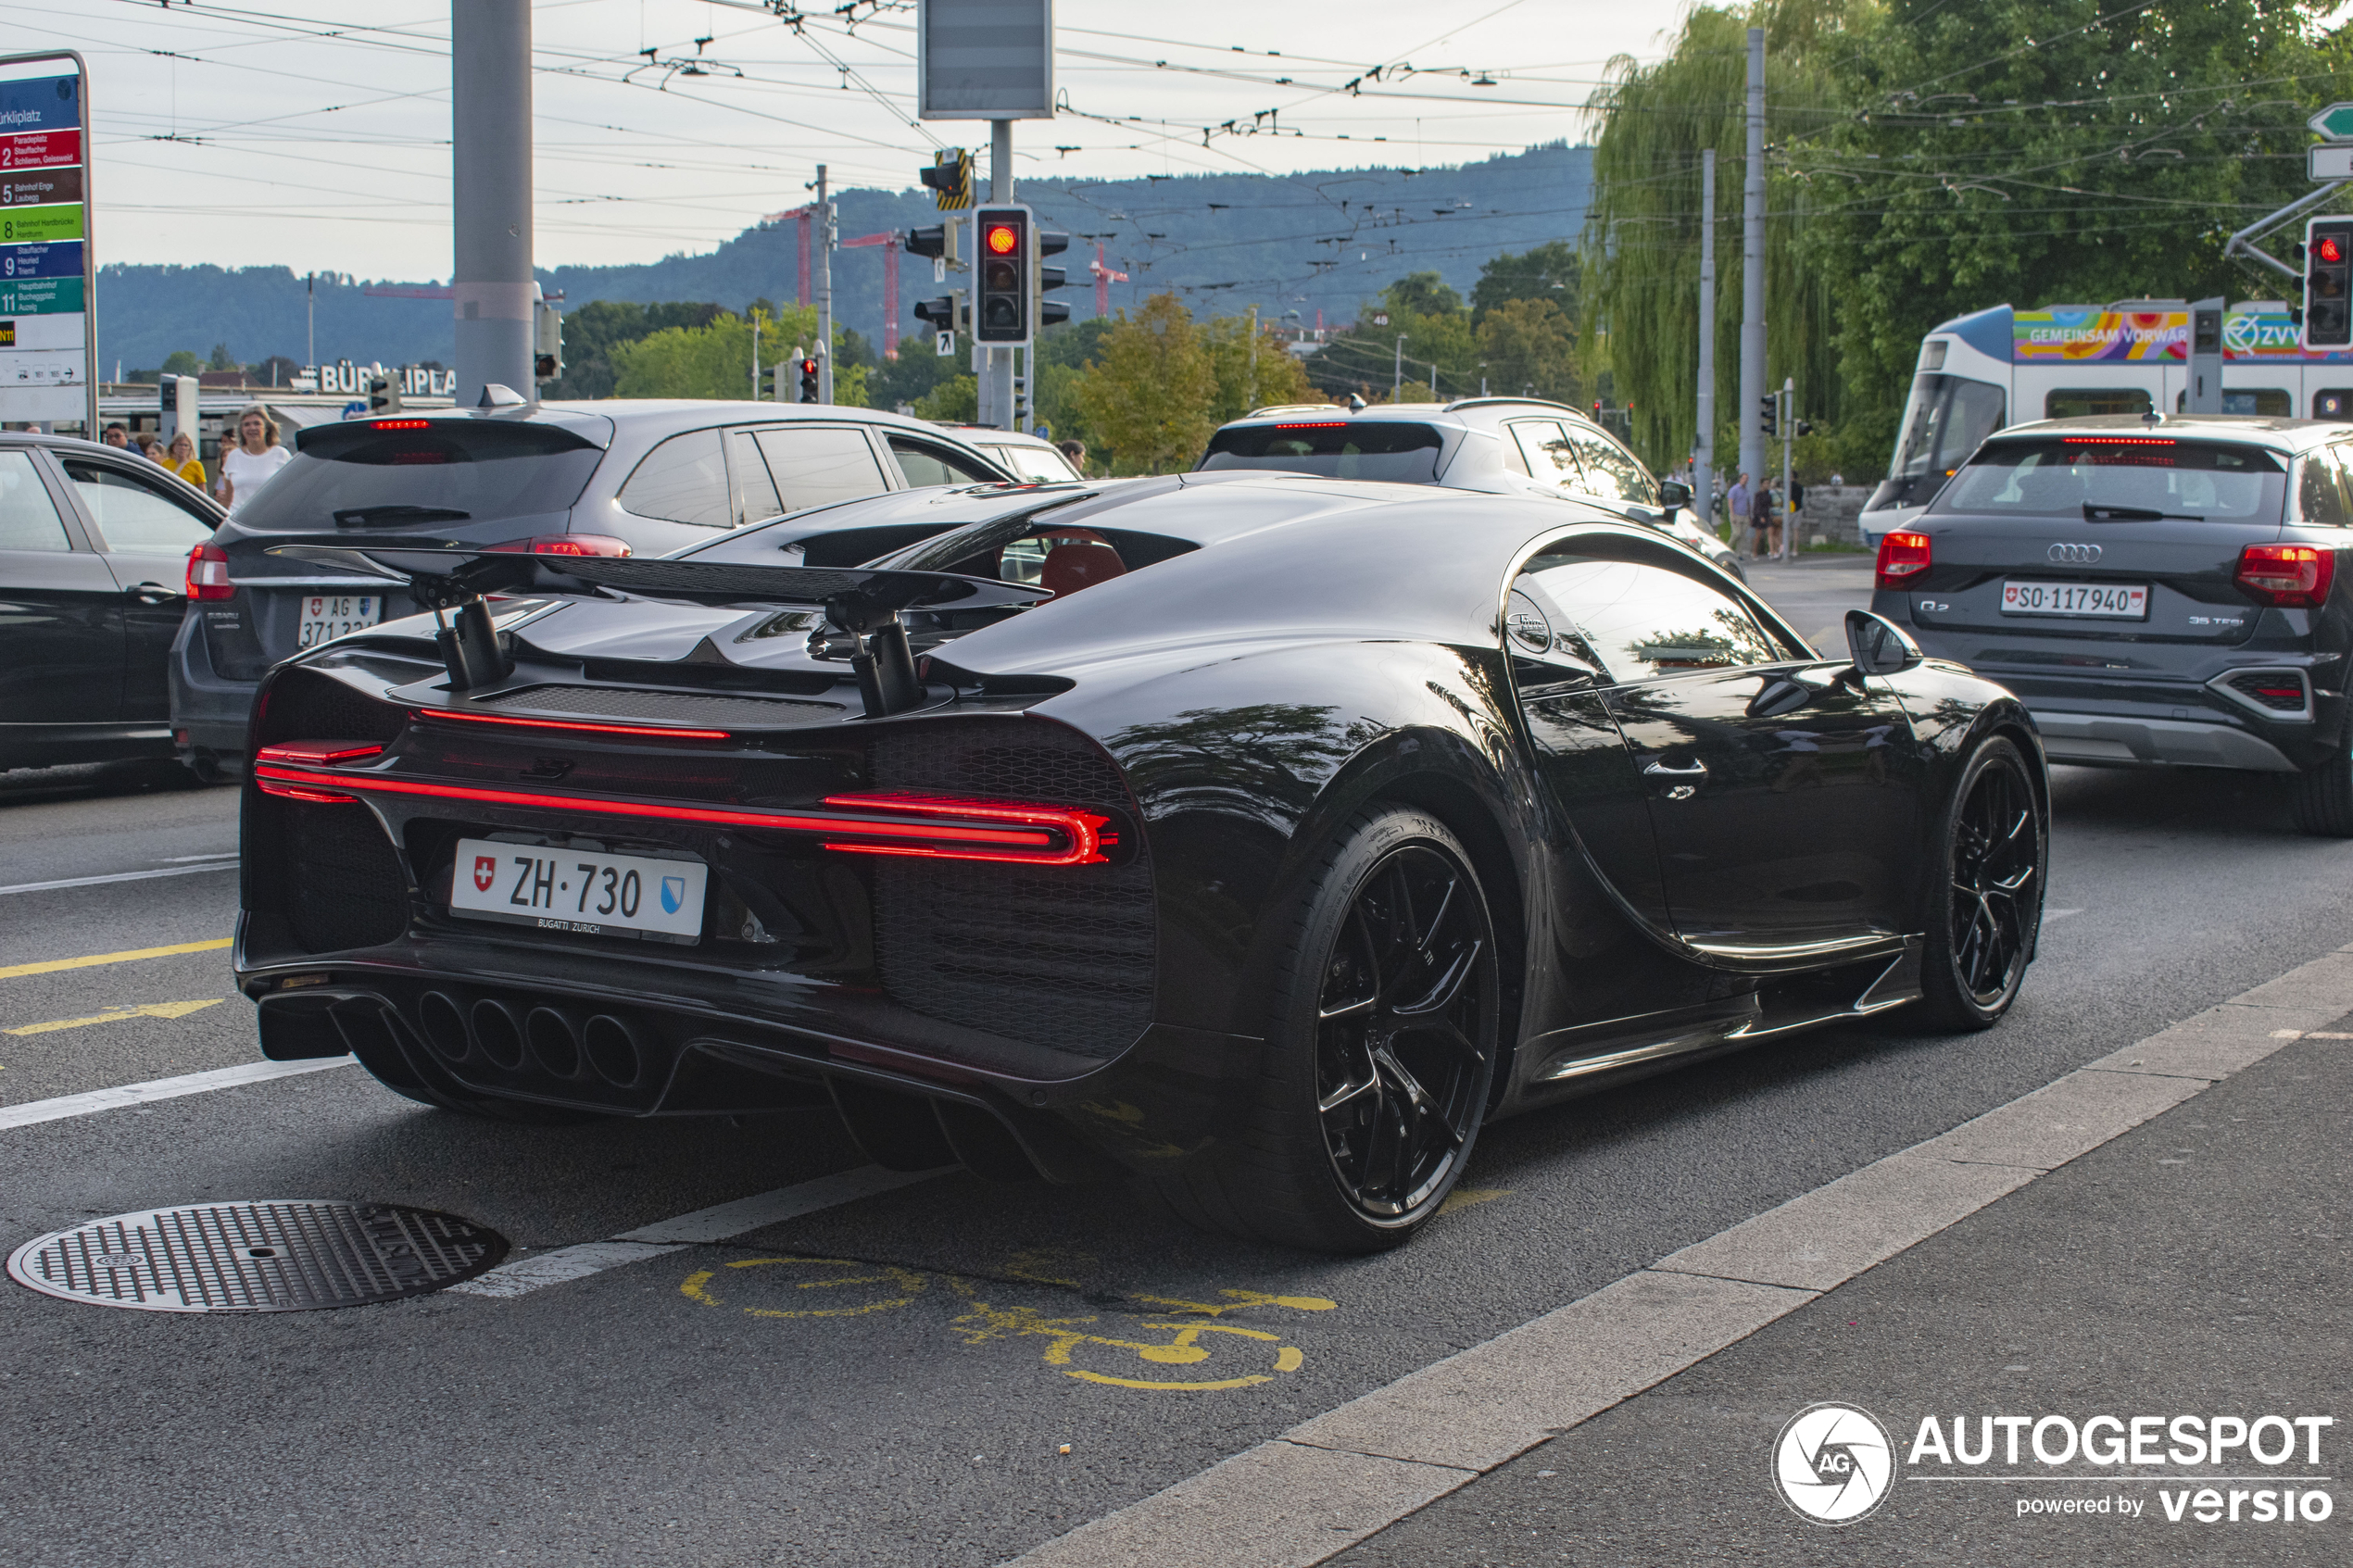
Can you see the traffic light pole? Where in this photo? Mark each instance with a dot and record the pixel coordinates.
(490, 189)
(996, 394)
(1788, 421)
(1704, 464)
(825, 230)
(1753, 392)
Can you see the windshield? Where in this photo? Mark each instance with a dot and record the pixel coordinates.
(368, 474)
(2120, 478)
(1333, 448)
(1945, 419)
(1041, 463)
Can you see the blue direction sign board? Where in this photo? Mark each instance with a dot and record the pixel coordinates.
(43, 103)
(60, 259)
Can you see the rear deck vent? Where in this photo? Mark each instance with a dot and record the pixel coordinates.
(662, 708)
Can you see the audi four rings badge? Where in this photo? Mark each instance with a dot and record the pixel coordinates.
(2075, 555)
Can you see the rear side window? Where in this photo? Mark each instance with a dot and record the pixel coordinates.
(1646, 622)
(29, 519)
(1545, 446)
(756, 497)
(2320, 490)
(1610, 469)
(447, 472)
(929, 465)
(133, 514)
(1333, 448)
(2120, 478)
(815, 465)
(683, 480)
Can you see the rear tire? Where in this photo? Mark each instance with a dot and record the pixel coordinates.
(1983, 914)
(2324, 800)
(1382, 1032)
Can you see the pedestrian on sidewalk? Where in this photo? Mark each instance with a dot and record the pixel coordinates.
(1075, 451)
(150, 446)
(248, 465)
(180, 459)
(1736, 505)
(116, 435)
(1765, 523)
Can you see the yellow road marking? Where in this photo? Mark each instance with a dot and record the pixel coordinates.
(145, 1010)
(50, 966)
(1462, 1198)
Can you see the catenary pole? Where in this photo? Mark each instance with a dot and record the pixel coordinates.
(490, 163)
(824, 291)
(1753, 271)
(1704, 466)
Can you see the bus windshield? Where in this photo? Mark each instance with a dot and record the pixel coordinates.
(2122, 479)
(1945, 419)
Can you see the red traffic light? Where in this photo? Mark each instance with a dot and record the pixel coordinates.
(1002, 239)
(2331, 249)
(809, 367)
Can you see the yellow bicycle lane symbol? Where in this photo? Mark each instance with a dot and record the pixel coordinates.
(865, 1288)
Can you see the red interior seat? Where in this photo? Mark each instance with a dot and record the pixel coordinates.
(1080, 564)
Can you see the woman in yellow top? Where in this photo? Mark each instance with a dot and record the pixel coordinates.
(180, 459)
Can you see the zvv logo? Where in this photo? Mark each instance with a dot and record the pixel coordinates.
(1833, 1463)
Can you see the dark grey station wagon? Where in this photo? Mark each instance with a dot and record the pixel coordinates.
(2159, 591)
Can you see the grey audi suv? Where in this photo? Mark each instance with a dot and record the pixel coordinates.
(615, 477)
(2160, 592)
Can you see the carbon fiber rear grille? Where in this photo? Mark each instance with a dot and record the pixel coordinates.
(1056, 957)
(2279, 690)
(661, 707)
(344, 886)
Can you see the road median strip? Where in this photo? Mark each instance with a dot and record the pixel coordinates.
(1340, 1477)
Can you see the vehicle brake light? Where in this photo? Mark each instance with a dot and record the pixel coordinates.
(397, 424)
(564, 545)
(318, 753)
(1316, 424)
(209, 573)
(2287, 575)
(1901, 556)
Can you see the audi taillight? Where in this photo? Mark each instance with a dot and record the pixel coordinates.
(1901, 558)
(209, 573)
(2287, 575)
(564, 545)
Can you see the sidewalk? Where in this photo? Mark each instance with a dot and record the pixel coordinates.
(2193, 1266)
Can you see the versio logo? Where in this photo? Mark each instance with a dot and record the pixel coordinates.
(1833, 1463)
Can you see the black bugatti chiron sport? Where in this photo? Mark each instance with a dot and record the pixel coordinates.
(1257, 836)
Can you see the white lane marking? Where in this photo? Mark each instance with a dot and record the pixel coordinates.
(2050, 915)
(191, 859)
(118, 876)
(715, 1223)
(58, 1110)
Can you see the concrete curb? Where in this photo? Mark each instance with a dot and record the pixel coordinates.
(1348, 1474)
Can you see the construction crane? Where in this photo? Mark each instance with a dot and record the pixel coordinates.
(1105, 278)
(890, 240)
(801, 214)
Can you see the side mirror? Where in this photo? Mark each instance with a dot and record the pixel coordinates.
(1673, 496)
(1877, 645)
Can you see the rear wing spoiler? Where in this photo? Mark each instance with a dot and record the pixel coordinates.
(861, 602)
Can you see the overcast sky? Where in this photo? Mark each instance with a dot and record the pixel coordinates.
(316, 134)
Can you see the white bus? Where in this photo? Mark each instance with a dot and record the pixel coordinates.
(2004, 366)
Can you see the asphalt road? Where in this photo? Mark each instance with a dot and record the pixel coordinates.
(907, 1401)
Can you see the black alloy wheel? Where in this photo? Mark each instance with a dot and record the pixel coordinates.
(1984, 921)
(1383, 1027)
(1401, 1060)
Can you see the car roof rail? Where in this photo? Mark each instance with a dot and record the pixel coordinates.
(1489, 402)
(1274, 408)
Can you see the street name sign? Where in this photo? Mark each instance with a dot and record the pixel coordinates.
(2329, 161)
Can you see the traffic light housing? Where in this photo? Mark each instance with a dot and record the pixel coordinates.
(2328, 283)
(383, 393)
(809, 378)
(950, 179)
(1769, 409)
(937, 240)
(546, 340)
(944, 314)
(1003, 259)
(1051, 312)
(1804, 427)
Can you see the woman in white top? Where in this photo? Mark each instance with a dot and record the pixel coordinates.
(247, 466)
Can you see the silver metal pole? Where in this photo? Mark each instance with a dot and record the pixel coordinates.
(1704, 465)
(1001, 189)
(1397, 375)
(1753, 271)
(490, 164)
(826, 235)
(1788, 420)
(310, 319)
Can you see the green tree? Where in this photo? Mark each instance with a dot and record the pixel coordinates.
(180, 362)
(2036, 152)
(1529, 347)
(1436, 326)
(1549, 271)
(221, 358)
(601, 326)
(1150, 397)
(1251, 372)
(715, 360)
(956, 399)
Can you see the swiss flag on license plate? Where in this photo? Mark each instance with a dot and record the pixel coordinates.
(486, 868)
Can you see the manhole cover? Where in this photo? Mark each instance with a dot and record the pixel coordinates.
(294, 1256)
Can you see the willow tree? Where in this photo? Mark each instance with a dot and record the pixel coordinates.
(1641, 245)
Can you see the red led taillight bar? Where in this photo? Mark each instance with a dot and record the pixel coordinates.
(872, 824)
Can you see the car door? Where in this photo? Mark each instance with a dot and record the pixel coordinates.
(145, 524)
(1782, 792)
(813, 465)
(61, 615)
